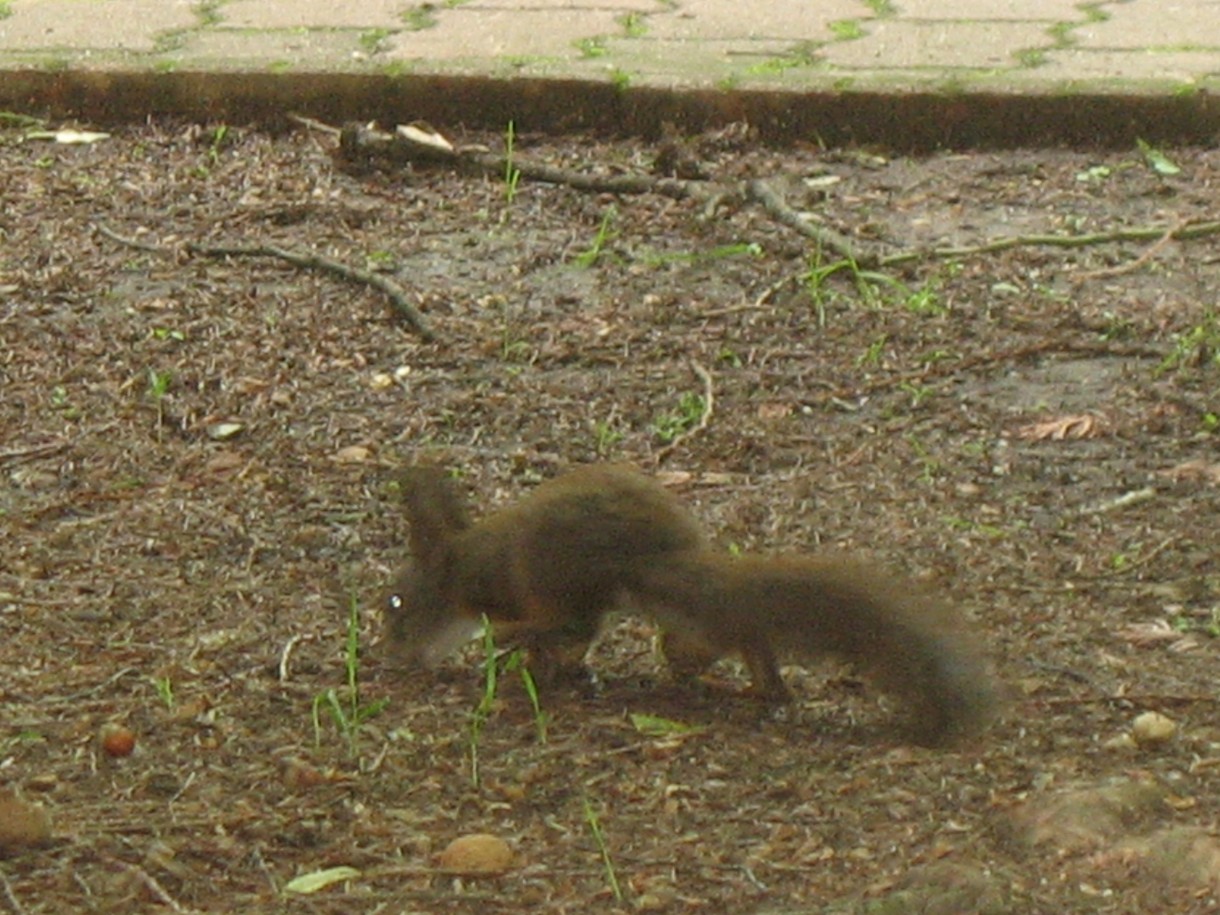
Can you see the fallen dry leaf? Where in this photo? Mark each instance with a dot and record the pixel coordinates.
(1198, 469)
(1083, 425)
(774, 410)
(1155, 633)
(353, 454)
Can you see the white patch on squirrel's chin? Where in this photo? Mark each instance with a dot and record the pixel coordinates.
(454, 635)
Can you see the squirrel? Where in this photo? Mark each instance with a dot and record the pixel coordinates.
(547, 570)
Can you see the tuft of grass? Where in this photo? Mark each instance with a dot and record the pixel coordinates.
(919, 392)
(1208, 625)
(1157, 160)
(846, 29)
(591, 48)
(512, 174)
(419, 18)
(482, 711)
(599, 837)
(1197, 347)
(220, 139)
(801, 56)
(720, 252)
(668, 426)
(346, 709)
(372, 41)
(1061, 34)
(165, 691)
(15, 120)
(633, 25)
(208, 12)
(516, 664)
(873, 289)
(481, 714)
(1030, 58)
(924, 300)
(872, 354)
(63, 403)
(656, 726)
(167, 42)
(158, 384)
(606, 436)
(728, 356)
(930, 467)
(158, 388)
(594, 252)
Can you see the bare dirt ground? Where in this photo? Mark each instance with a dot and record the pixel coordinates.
(196, 466)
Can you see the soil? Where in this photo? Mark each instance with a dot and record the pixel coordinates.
(198, 458)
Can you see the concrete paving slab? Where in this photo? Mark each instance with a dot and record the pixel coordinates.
(793, 20)
(478, 34)
(1157, 27)
(1174, 70)
(72, 26)
(998, 10)
(920, 45)
(290, 14)
(269, 50)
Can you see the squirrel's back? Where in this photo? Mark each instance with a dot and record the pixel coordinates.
(553, 564)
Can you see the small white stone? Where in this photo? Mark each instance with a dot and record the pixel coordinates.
(223, 431)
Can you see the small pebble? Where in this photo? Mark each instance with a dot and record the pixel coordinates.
(22, 825)
(1152, 729)
(477, 854)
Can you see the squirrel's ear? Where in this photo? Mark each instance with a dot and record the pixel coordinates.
(435, 511)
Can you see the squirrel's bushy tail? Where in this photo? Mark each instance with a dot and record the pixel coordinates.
(913, 646)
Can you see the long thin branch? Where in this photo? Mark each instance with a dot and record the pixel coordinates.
(305, 260)
(358, 142)
(1148, 233)
(312, 261)
(427, 146)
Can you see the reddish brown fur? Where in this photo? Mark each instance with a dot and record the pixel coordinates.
(547, 570)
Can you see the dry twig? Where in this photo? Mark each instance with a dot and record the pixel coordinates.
(1131, 266)
(311, 261)
(364, 143)
(33, 451)
(762, 193)
(305, 260)
(158, 891)
(1187, 230)
(407, 147)
(11, 897)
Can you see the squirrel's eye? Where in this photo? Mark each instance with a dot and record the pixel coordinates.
(395, 602)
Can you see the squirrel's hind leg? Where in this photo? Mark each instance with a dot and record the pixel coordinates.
(765, 680)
